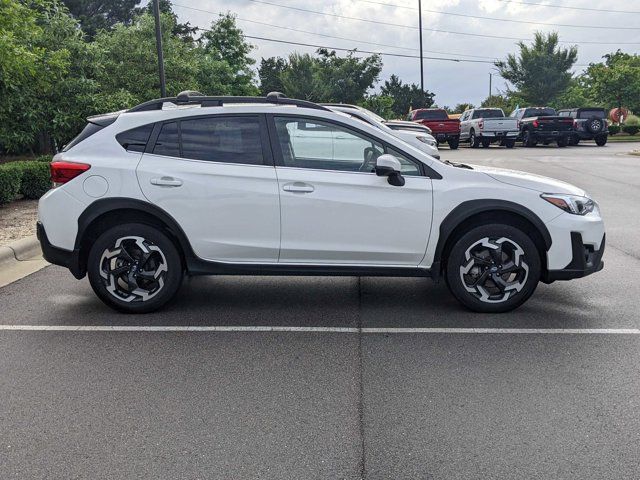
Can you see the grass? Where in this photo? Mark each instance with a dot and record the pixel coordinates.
(624, 138)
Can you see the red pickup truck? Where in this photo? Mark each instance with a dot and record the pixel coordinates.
(443, 128)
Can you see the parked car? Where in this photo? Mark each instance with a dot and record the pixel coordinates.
(407, 125)
(487, 125)
(542, 124)
(444, 128)
(588, 124)
(247, 186)
(420, 140)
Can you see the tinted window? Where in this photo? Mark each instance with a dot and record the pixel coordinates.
(488, 113)
(135, 140)
(222, 139)
(431, 115)
(592, 113)
(307, 143)
(539, 112)
(167, 142)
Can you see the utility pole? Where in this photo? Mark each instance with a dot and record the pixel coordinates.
(421, 56)
(490, 75)
(156, 14)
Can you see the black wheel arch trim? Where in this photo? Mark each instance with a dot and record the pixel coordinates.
(468, 209)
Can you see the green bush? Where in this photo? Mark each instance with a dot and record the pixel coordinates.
(29, 178)
(631, 129)
(632, 120)
(9, 184)
(614, 129)
(44, 158)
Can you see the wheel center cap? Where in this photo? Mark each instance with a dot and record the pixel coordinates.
(494, 269)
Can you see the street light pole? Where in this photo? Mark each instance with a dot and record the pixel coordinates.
(490, 77)
(156, 14)
(421, 56)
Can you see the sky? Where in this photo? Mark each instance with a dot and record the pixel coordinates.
(391, 26)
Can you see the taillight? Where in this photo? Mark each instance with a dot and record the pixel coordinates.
(62, 172)
(536, 124)
(481, 124)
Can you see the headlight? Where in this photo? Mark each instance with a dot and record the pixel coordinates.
(574, 204)
(428, 141)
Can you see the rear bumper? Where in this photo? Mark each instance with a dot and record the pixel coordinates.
(59, 256)
(586, 260)
(443, 137)
(589, 136)
(498, 135)
(550, 135)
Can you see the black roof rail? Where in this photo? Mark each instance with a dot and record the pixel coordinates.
(190, 97)
(344, 105)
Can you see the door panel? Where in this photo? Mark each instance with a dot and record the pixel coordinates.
(353, 218)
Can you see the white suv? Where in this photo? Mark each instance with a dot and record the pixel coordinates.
(272, 186)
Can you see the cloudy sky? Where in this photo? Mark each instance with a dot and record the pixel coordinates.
(391, 26)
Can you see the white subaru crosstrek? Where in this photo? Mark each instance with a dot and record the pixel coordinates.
(247, 186)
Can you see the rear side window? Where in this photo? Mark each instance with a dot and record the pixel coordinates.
(222, 139)
(88, 130)
(168, 141)
(135, 140)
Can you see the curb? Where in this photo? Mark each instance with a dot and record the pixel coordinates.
(20, 250)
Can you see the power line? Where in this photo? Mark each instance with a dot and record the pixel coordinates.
(601, 10)
(480, 17)
(336, 37)
(378, 22)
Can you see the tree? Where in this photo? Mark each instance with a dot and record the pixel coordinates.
(269, 73)
(95, 15)
(616, 82)
(499, 101)
(225, 42)
(461, 107)
(380, 104)
(405, 96)
(541, 71)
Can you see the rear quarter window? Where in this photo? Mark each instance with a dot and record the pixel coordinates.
(135, 140)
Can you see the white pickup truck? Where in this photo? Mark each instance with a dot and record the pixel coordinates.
(487, 125)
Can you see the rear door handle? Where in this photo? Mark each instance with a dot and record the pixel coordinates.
(298, 187)
(166, 182)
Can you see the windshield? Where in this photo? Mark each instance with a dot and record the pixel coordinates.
(371, 114)
(432, 115)
(539, 112)
(488, 113)
(591, 113)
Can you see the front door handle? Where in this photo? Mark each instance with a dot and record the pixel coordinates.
(166, 182)
(298, 187)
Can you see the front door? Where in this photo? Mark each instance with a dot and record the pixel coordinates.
(334, 210)
(215, 178)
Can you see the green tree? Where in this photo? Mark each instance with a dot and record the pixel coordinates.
(461, 107)
(346, 79)
(616, 82)
(405, 96)
(380, 104)
(541, 71)
(498, 101)
(95, 15)
(300, 78)
(270, 73)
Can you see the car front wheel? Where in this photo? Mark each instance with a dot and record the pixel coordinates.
(493, 268)
(134, 268)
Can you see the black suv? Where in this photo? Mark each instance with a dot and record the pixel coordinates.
(588, 124)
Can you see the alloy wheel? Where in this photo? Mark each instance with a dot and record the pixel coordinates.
(133, 269)
(495, 269)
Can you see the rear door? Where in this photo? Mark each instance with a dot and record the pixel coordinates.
(215, 176)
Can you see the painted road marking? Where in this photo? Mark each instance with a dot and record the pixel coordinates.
(366, 330)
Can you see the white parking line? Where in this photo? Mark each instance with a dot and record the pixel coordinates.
(367, 330)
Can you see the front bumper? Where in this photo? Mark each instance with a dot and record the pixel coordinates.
(585, 261)
(59, 256)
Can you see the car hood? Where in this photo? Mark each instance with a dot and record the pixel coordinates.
(531, 181)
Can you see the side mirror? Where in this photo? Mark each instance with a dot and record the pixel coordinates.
(390, 167)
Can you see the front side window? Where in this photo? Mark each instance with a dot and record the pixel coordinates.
(222, 139)
(316, 144)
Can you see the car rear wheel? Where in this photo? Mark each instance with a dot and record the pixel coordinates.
(134, 268)
(486, 143)
(474, 142)
(527, 139)
(563, 142)
(453, 143)
(493, 268)
(510, 143)
(601, 140)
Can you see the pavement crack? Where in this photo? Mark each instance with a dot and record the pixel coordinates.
(360, 380)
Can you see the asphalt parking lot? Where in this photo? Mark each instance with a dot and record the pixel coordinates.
(346, 401)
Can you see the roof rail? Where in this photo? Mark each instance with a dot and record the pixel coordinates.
(190, 97)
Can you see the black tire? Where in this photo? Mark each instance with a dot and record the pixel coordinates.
(510, 143)
(486, 143)
(594, 125)
(601, 140)
(477, 252)
(562, 142)
(474, 142)
(527, 139)
(453, 143)
(132, 261)
(574, 140)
